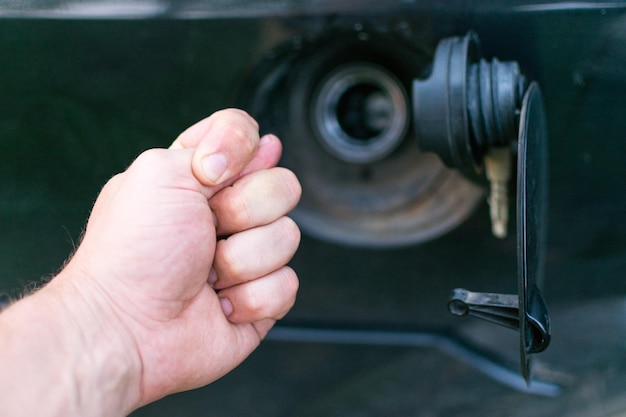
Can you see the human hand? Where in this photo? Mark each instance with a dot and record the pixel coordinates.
(188, 306)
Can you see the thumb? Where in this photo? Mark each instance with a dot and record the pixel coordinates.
(224, 144)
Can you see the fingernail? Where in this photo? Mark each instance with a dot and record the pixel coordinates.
(227, 306)
(212, 277)
(214, 167)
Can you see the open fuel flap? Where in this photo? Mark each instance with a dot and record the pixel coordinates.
(477, 116)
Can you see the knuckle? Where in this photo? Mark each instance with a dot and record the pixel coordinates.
(292, 182)
(291, 231)
(149, 165)
(228, 261)
(291, 284)
(240, 131)
(150, 158)
(248, 118)
(240, 211)
(113, 182)
(255, 304)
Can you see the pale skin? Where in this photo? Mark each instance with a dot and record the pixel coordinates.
(179, 276)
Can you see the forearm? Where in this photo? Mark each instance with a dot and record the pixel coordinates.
(61, 356)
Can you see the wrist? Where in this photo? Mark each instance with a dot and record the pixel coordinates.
(74, 349)
(109, 365)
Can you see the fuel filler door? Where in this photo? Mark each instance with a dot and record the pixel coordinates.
(484, 119)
